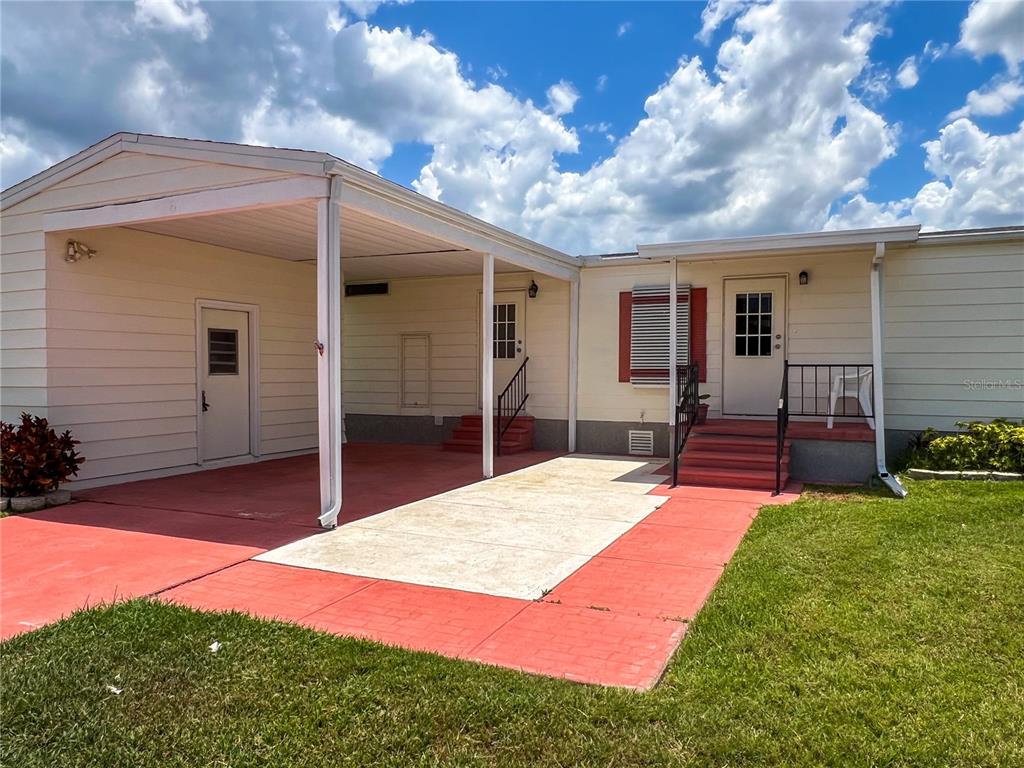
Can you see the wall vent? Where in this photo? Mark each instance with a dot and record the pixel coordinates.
(641, 442)
(366, 289)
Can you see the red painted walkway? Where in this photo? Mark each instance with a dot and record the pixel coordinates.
(615, 621)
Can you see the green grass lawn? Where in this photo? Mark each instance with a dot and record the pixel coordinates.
(848, 630)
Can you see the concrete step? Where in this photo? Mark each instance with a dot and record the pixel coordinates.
(765, 428)
(733, 443)
(754, 479)
(692, 458)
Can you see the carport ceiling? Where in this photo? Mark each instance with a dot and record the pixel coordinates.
(371, 248)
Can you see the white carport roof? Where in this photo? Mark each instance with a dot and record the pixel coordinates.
(386, 230)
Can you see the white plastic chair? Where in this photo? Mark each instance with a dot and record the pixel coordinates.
(852, 385)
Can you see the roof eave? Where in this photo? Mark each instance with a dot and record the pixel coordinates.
(746, 247)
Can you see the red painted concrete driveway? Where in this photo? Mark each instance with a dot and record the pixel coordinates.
(615, 621)
(142, 538)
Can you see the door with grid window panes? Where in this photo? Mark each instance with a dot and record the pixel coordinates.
(754, 345)
(509, 336)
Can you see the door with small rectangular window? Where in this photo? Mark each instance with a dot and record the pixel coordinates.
(754, 342)
(224, 384)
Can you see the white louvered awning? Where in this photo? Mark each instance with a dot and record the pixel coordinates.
(649, 334)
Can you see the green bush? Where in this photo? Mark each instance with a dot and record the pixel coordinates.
(36, 460)
(996, 446)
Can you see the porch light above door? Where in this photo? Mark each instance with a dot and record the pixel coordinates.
(533, 290)
(805, 277)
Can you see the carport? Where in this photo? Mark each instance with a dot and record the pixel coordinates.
(303, 207)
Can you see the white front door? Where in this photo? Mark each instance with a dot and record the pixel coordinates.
(509, 336)
(754, 341)
(224, 382)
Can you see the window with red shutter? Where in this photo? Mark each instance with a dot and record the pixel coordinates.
(644, 333)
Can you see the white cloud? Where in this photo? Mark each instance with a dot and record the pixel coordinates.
(979, 182)
(562, 97)
(363, 9)
(995, 26)
(623, 28)
(997, 98)
(765, 143)
(497, 72)
(717, 12)
(763, 137)
(934, 51)
(602, 83)
(183, 15)
(907, 76)
(307, 126)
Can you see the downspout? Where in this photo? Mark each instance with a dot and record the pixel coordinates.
(878, 379)
(673, 344)
(329, 332)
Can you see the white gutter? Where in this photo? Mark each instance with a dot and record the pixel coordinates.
(673, 312)
(328, 278)
(877, 331)
(739, 247)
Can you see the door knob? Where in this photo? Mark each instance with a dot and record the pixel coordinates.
(778, 335)
(778, 346)
(206, 405)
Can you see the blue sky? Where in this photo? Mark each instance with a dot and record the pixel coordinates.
(589, 126)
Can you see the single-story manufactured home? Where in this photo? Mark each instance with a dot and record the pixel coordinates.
(182, 305)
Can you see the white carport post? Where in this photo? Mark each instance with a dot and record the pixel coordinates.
(328, 322)
(673, 311)
(487, 364)
(574, 358)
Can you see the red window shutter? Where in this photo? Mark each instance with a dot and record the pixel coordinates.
(698, 331)
(625, 327)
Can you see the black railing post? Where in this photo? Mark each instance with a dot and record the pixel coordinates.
(781, 419)
(511, 401)
(686, 401)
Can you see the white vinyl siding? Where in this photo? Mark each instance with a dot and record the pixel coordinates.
(829, 321)
(954, 334)
(106, 346)
(447, 309)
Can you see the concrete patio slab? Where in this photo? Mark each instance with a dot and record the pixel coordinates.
(434, 561)
(502, 537)
(527, 528)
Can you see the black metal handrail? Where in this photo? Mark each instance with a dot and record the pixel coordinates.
(510, 402)
(686, 402)
(819, 389)
(781, 424)
(815, 385)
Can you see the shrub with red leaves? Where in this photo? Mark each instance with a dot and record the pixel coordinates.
(35, 459)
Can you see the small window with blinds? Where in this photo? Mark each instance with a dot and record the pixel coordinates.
(649, 334)
(223, 351)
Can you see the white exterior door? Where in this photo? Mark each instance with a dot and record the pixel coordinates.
(509, 336)
(224, 382)
(415, 371)
(754, 342)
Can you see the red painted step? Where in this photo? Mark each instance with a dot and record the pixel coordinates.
(756, 479)
(730, 443)
(468, 436)
(733, 454)
(723, 460)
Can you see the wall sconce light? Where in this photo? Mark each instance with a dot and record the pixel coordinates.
(75, 251)
(534, 290)
(805, 278)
